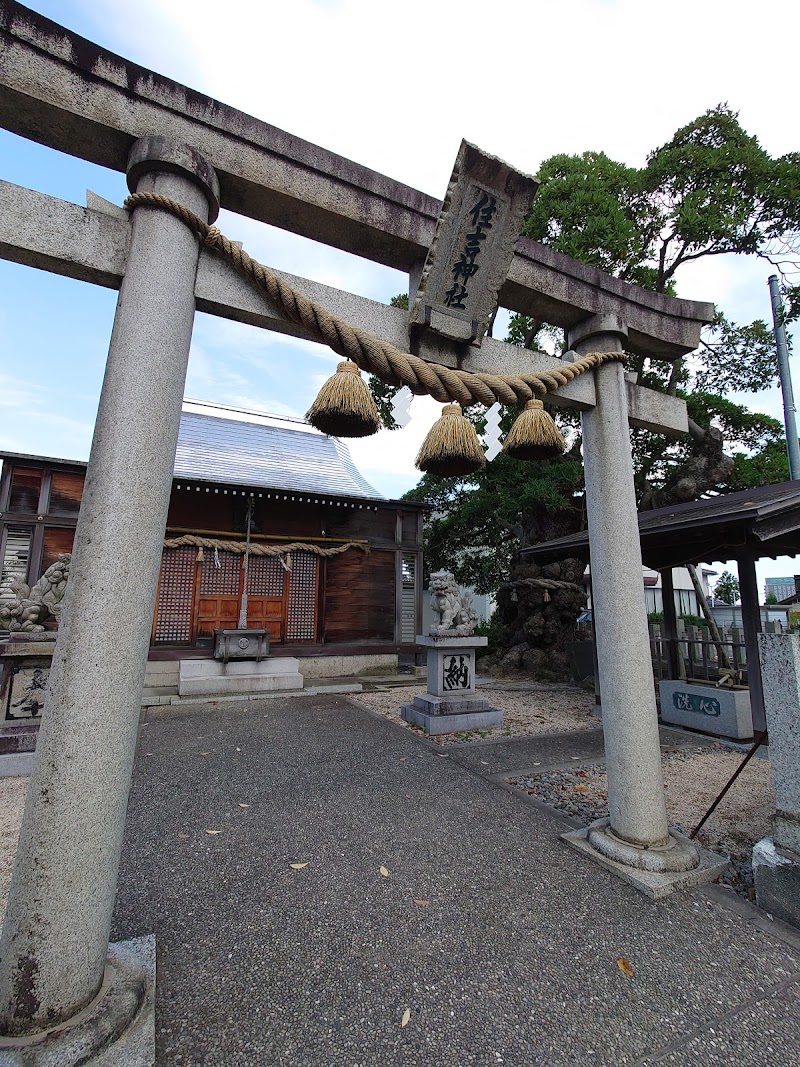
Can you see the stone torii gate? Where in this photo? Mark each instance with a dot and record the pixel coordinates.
(69, 94)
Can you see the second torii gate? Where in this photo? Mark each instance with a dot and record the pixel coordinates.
(68, 93)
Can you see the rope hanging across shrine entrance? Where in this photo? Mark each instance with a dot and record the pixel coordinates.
(241, 547)
(345, 406)
(371, 354)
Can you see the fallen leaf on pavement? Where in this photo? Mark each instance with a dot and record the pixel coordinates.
(625, 967)
(580, 788)
(298, 866)
(184, 837)
(422, 903)
(406, 1018)
(203, 753)
(212, 832)
(244, 805)
(384, 872)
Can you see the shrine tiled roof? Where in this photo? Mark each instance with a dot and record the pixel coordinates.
(226, 446)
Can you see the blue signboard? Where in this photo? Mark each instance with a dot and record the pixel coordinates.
(693, 702)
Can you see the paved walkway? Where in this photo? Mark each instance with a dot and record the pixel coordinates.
(512, 961)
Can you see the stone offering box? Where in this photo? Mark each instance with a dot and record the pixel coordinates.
(241, 644)
(718, 711)
(451, 703)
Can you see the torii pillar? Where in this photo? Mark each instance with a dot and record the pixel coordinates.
(636, 834)
(54, 957)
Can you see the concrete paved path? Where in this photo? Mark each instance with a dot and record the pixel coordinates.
(512, 962)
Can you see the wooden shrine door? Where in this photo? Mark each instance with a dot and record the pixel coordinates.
(267, 596)
(220, 594)
(197, 597)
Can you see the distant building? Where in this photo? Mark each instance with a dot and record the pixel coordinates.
(783, 588)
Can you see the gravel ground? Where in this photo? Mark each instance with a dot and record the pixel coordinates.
(693, 778)
(529, 708)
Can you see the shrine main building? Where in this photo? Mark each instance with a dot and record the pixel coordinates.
(335, 569)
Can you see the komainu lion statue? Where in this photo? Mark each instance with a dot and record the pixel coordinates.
(28, 608)
(457, 617)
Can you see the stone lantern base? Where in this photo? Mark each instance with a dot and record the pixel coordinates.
(451, 703)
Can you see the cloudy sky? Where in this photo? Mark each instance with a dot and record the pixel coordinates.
(393, 86)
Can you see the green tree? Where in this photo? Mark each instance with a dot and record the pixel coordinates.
(727, 588)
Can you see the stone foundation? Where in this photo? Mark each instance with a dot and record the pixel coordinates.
(210, 677)
(451, 704)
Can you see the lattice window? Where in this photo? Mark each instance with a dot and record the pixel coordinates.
(265, 576)
(302, 622)
(409, 600)
(176, 594)
(220, 572)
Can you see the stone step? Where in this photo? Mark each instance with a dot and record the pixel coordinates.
(204, 677)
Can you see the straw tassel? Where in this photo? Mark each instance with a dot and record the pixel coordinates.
(452, 446)
(344, 406)
(534, 435)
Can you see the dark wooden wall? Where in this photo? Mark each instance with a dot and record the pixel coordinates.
(358, 593)
(360, 597)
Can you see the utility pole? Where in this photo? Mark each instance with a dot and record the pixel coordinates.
(789, 419)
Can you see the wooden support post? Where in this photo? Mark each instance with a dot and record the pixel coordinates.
(751, 624)
(675, 665)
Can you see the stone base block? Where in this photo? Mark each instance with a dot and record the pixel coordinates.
(718, 711)
(455, 705)
(777, 880)
(654, 885)
(116, 1030)
(208, 677)
(489, 719)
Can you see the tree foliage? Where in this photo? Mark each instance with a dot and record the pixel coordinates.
(727, 588)
(711, 190)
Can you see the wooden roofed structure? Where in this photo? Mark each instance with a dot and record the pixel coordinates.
(354, 589)
(744, 527)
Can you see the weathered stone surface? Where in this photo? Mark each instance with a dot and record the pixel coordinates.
(90, 244)
(66, 864)
(780, 672)
(654, 884)
(636, 801)
(450, 724)
(776, 874)
(712, 709)
(450, 705)
(116, 1030)
(451, 664)
(469, 257)
(455, 615)
(209, 677)
(28, 607)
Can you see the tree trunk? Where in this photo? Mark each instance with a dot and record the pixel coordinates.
(538, 607)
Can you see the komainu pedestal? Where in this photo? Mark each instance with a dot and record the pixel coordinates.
(451, 703)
